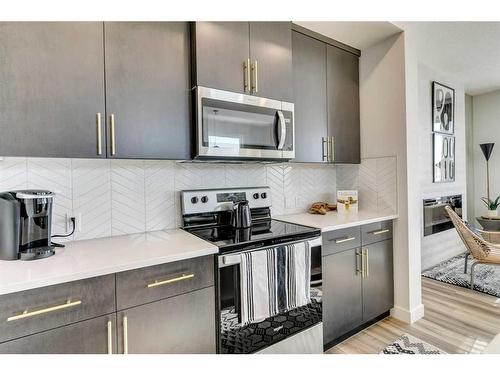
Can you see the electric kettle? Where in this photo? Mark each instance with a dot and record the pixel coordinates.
(242, 217)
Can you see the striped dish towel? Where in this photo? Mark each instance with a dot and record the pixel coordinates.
(274, 280)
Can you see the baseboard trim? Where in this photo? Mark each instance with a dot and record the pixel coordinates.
(407, 316)
(358, 329)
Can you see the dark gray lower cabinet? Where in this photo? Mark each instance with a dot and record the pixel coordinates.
(52, 89)
(357, 284)
(181, 324)
(342, 294)
(87, 337)
(378, 291)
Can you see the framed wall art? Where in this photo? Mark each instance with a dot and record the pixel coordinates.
(443, 108)
(444, 157)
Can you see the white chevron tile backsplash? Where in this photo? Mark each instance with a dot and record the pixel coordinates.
(128, 208)
(13, 174)
(115, 197)
(91, 181)
(160, 195)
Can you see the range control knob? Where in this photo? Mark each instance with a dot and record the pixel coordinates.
(263, 195)
(194, 200)
(204, 199)
(255, 195)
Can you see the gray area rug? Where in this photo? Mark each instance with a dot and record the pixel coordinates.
(451, 271)
(407, 344)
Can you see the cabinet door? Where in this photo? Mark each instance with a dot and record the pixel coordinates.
(342, 294)
(92, 336)
(343, 104)
(147, 89)
(271, 47)
(220, 51)
(378, 285)
(182, 324)
(51, 89)
(309, 93)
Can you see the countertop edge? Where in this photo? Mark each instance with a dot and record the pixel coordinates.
(360, 222)
(20, 287)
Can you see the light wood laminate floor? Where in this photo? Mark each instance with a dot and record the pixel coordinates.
(457, 320)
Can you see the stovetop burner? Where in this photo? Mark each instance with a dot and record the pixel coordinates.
(260, 234)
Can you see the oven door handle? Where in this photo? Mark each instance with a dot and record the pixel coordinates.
(282, 130)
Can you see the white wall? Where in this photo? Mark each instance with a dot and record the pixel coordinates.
(444, 245)
(486, 128)
(469, 140)
(383, 101)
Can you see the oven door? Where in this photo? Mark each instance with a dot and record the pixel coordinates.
(238, 126)
(237, 338)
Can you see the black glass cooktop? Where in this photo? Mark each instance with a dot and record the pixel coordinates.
(260, 234)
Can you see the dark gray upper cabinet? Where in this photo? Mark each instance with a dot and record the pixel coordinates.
(309, 88)
(271, 50)
(220, 50)
(147, 89)
(51, 89)
(251, 58)
(343, 104)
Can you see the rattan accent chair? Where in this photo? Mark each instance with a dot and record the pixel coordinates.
(482, 251)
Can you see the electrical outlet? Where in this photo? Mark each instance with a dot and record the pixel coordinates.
(78, 223)
(68, 227)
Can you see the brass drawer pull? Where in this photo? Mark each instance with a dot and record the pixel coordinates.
(342, 240)
(28, 314)
(170, 281)
(380, 231)
(246, 75)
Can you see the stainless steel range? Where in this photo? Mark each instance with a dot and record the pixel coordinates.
(293, 325)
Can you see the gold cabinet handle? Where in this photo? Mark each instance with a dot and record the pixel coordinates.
(27, 314)
(255, 81)
(125, 335)
(332, 149)
(359, 259)
(170, 281)
(328, 149)
(110, 337)
(342, 240)
(380, 231)
(367, 263)
(99, 133)
(246, 75)
(363, 268)
(112, 133)
(324, 144)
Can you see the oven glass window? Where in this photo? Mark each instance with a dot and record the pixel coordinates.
(234, 126)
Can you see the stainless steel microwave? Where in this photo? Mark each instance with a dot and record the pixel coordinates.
(237, 126)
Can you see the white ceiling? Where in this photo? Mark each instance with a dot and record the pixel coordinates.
(360, 35)
(468, 50)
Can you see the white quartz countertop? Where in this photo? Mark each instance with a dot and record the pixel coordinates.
(334, 220)
(89, 258)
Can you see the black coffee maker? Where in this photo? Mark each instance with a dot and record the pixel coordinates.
(25, 224)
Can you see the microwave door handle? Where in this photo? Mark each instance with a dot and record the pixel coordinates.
(282, 130)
